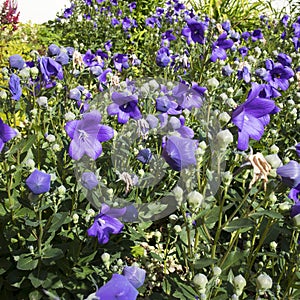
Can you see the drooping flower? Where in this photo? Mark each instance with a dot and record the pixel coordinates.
(16, 61)
(220, 46)
(15, 87)
(179, 152)
(49, 69)
(135, 275)
(106, 223)
(124, 106)
(87, 135)
(251, 116)
(6, 134)
(38, 182)
(117, 288)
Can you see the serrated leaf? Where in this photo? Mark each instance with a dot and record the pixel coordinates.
(241, 224)
(26, 262)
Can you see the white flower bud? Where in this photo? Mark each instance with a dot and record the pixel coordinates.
(3, 95)
(56, 147)
(274, 149)
(30, 163)
(273, 246)
(264, 282)
(105, 257)
(224, 138)
(50, 138)
(69, 116)
(213, 82)
(42, 101)
(224, 117)
(297, 220)
(61, 190)
(195, 199)
(239, 283)
(223, 96)
(200, 281)
(177, 228)
(217, 271)
(178, 193)
(34, 71)
(274, 160)
(75, 218)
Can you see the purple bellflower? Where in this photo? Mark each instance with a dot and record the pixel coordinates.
(144, 156)
(220, 46)
(117, 288)
(124, 106)
(163, 57)
(49, 69)
(194, 31)
(179, 152)
(6, 134)
(38, 182)
(297, 147)
(15, 87)
(16, 62)
(87, 135)
(256, 35)
(135, 275)
(251, 116)
(290, 174)
(121, 61)
(89, 180)
(106, 223)
(53, 50)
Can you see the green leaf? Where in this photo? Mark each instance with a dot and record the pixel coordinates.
(137, 251)
(58, 220)
(268, 213)
(204, 262)
(4, 265)
(26, 262)
(241, 224)
(233, 258)
(53, 254)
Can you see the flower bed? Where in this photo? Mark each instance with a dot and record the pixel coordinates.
(156, 157)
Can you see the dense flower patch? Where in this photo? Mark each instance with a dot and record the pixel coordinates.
(158, 174)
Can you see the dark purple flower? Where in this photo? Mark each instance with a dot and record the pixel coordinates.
(118, 288)
(89, 58)
(220, 46)
(124, 106)
(256, 35)
(290, 174)
(106, 223)
(298, 149)
(251, 116)
(246, 35)
(226, 25)
(284, 20)
(243, 51)
(6, 134)
(132, 6)
(16, 62)
(53, 50)
(194, 31)
(89, 180)
(152, 21)
(135, 275)
(115, 22)
(50, 68)
(69, 11)
(166, 37)
(38, 182)
(87, 135)
(179, 152)
(144, 155)
(126, 23)
(284, 59)
(15, 87)
(121, 62)
(278, 75)
(163, 57)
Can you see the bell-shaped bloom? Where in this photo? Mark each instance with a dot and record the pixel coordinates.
(256, 35)
(121, 61)
(135, 275)
(194, 31)
(6, 134)
(179, 152)
(15, 87)
(53, 50)
(117, 288)
(124, 106)
(89, 180)
(163, 57)
(189, 97)
(106, 223)
(251, 116)
(144, 155)
(220, 46)
(50, 69)
(16, 61)
(38, 182)
(87, 135)
(290, 173)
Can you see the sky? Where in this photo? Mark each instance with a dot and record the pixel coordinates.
(39, 11)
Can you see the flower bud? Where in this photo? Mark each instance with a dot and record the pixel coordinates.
(3, 95)
(195, 199)
(34, 71)
(217, 271)
(273, 246)
(213, 82)
(200, 281)
(75, 218)
(274, 160)
(297, 220)
(178, 193)
(177, 228)
(25, 73)
(263, 282)
(105, 257)
(224, 117)
(42, 101)
(50, 138)
(239, 283)
(69, 116)
(61, 190)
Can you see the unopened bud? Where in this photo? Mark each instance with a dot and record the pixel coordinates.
(195, 199)
(239, 283)
(200, 281)
(263, 282)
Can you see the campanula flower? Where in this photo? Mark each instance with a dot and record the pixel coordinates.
(87, 135)
(163, 57)
(118, 287)
(16, 62)
(124, 106)
(121, 61)
(256, 35)
(135, 275)
(89, 180)
(179, 152)
(251, 116)
(106, 223)
(220, 46)
(38, 182)
(49, 69)
(6, 134)
(53, 50)
(194, 31)
(144, 155)
(15, 87)
(290, 174)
